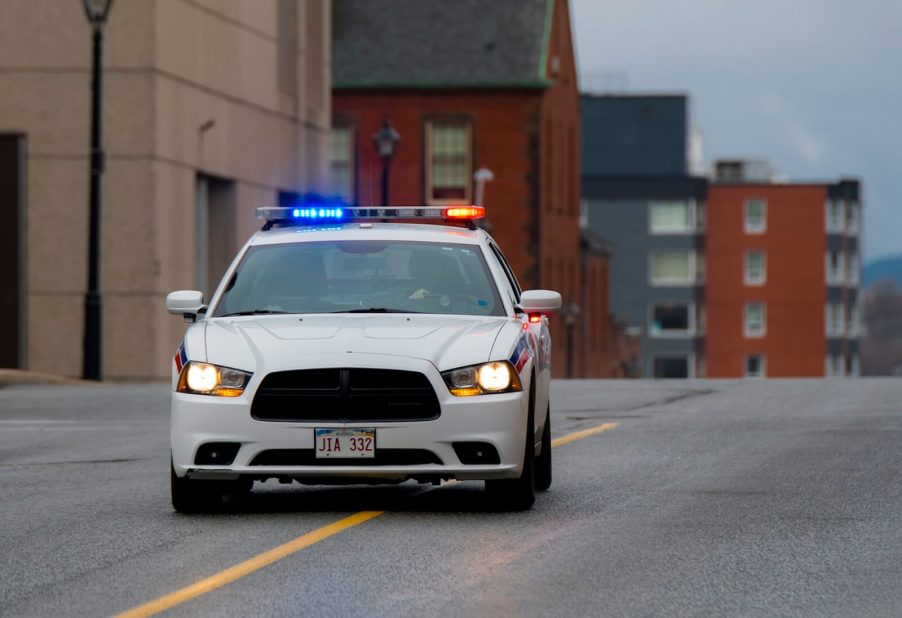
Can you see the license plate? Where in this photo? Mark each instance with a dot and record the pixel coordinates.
(345, 443)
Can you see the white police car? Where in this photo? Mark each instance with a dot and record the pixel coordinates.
(350, 345)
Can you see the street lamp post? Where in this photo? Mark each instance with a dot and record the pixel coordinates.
(97, 12)
(385, 140)
(569, 313)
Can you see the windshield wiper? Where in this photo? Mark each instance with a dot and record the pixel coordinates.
(254, 312)
(376, 310)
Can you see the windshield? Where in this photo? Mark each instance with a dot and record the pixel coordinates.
(361, 276)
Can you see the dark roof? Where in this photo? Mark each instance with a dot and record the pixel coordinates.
(593, 243)
(440, 43)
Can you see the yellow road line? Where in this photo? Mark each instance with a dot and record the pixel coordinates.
(282, 551)
(247, 567)
(579, 435)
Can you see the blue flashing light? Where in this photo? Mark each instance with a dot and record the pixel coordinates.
(312, 214)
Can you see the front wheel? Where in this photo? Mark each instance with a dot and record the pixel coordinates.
(205, 496)
(543, 461)
(518, 494)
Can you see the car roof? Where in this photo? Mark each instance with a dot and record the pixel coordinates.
(369, 231)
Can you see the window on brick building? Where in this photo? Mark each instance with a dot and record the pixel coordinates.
(836, 267)
(835, 319)
(755, 272)
(835, 216)
(754, 366)
(755, 320)
(449, 161)
(672, 268)
(755, 221)
(833, 366)
(341, 162)
(852, 268)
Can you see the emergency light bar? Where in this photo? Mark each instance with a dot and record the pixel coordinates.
(307, 215)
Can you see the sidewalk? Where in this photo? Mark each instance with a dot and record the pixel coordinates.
(11, 377)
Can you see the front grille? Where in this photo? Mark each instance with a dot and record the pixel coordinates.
(383, 457)
(345, 395)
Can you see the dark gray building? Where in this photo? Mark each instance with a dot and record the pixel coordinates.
(639, 196)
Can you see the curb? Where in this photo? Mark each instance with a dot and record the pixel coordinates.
(14, 377)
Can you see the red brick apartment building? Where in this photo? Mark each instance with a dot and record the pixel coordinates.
(782, 279)
(466, 85)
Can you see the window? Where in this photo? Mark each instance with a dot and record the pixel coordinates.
(671, 319)
(835, 215)
(341, 163)
(701, 265)
(673, 268)
(755, 324)
(754, 366)
(835, 267)
(374, 275)
(701, 216)
(755, 273)
(515, 289)
(755, 216)
(701, 318)
(670, 367)
(853, 321)
(834, 366)
(853, 219)
(670, 218)
(852, 268)
(448, 161)
(835, 319)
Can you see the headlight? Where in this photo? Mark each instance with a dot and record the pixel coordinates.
(495, 377)
(206, 379)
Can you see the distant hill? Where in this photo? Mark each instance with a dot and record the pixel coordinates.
(882, 268)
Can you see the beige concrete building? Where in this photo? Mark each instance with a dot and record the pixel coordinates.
(210, 109)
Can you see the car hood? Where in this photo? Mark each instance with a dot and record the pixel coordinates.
(283, 342)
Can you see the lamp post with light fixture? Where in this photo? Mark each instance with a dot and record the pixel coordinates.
(385, 140)
(569, 313)
(97, 12)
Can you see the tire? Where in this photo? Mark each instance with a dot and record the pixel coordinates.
(202, 496)
(543, 461)
(518, 494)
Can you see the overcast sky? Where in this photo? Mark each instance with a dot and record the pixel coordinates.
(814, 86)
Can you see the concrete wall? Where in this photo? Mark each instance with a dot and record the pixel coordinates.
(170, 67)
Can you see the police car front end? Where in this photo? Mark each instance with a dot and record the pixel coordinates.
(342, 414)
(354, 350)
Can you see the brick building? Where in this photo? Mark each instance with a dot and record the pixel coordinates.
(467, 85)
(210, 109)
(783, 277)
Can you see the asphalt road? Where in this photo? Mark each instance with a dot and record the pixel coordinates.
(707, 498)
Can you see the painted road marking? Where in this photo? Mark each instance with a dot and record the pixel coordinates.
(248, 566)
(275, 554)
(579, 435)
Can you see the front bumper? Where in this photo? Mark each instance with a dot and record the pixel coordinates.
(498, 419)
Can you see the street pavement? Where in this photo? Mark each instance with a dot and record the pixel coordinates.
(751, 498)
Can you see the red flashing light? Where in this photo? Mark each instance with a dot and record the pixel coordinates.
(535, 318)
(465, 212)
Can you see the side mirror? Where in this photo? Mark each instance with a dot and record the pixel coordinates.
(543, 302)
(187, 303)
